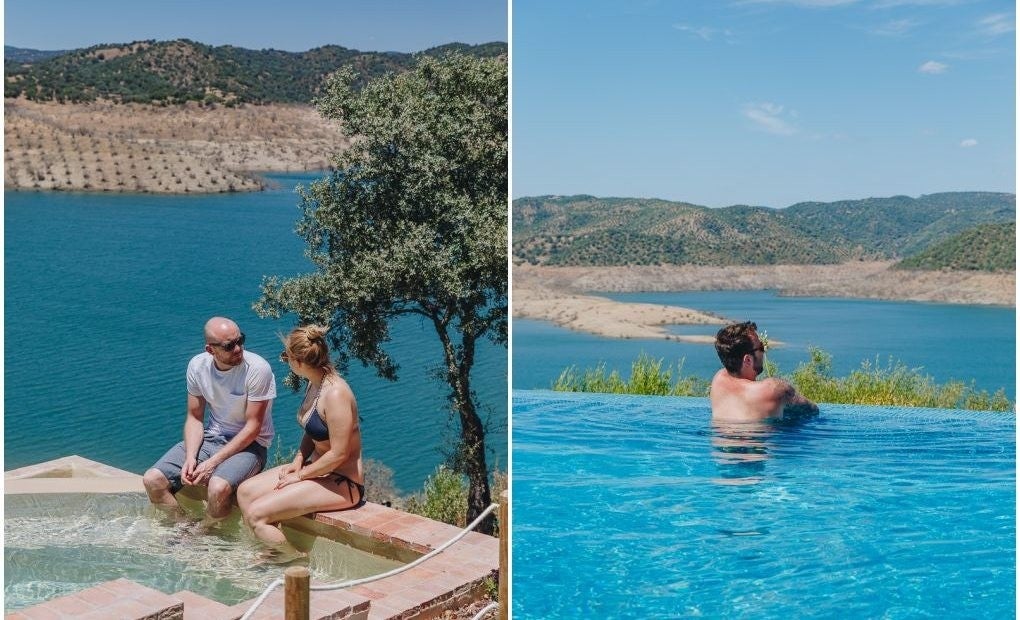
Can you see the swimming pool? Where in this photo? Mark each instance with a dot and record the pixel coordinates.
(629, 506)
(56, 544)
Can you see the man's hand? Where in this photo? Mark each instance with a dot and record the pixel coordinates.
(204, 471)
(188, 471)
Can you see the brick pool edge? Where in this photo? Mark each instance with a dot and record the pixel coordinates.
(452, 579)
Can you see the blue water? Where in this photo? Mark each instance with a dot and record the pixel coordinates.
(105, 298)
(636, 507)
(947, 342)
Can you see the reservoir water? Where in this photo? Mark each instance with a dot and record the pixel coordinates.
(967, 343)
(105, 297)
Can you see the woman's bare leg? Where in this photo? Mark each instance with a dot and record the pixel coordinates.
(294, 500)
(255, 487)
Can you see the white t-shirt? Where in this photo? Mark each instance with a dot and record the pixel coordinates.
(227, 392)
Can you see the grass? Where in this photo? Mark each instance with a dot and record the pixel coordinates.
(646, 377)
(893, 384)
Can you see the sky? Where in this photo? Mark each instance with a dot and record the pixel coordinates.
(763, 102)
(376, 25)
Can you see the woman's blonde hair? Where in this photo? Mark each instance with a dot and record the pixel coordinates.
(307, 344)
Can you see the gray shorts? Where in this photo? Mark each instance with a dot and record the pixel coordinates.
(234, 470)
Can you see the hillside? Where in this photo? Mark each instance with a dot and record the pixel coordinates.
(178, 71)
(175, 117)
(989, 247)
(585, 230)
(105, 147)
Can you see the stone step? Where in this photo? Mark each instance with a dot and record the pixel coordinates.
(198, 607)
(121, 598)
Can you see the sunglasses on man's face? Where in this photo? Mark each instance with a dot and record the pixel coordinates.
(230, 344)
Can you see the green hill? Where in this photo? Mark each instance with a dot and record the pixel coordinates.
(989, 247)
(184, 70)
(585, 230)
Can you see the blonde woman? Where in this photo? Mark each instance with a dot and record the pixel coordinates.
(326, 473)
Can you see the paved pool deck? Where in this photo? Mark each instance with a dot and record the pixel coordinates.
(452, 579)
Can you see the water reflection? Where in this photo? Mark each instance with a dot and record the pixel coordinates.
(740, 451)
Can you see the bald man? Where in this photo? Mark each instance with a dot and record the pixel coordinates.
(736, 394)
(237, 387)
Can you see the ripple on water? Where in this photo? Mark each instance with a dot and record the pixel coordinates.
(57, 544)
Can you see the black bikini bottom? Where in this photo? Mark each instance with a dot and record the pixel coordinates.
(351, 486)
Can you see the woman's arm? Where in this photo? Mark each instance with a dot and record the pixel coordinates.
(304, 451)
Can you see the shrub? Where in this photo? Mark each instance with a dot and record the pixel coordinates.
(893, 384)
(872, 384)
(647, 377)
(444, 498)
(379, 487)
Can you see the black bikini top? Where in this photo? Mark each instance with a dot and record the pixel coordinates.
(315, 424)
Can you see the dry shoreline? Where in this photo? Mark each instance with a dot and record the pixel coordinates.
(104, 147)
(562, 294)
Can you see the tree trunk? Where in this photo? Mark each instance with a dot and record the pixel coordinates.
(472, 439)
(471, 453)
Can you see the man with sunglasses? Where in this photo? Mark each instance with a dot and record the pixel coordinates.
(237, 387)
(736, 394)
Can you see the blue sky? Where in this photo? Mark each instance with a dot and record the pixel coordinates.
(377, 25)
(763, 102)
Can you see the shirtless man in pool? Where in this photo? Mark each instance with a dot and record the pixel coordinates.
(736, 395)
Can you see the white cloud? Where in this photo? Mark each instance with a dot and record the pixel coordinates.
(768, 117)
(997, 23)
(885, 4)
(933, 68)
(805, 3)
(895, 28)
(706, 33)
(969, 143)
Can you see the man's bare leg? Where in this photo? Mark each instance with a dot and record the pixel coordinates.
(218, 501)
(157, 487)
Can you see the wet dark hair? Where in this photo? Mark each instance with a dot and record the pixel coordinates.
(307, 344)
(733, 342)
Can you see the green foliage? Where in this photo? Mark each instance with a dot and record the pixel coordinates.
(491, 588)
(585, 230)
(412, 222)
(893, 384)
(872, 384)
(183, 70)
(989, 247)
(444, 498)
(646, 377)
(379, 486)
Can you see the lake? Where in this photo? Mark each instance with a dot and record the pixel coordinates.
(105, 298)
(969, 343)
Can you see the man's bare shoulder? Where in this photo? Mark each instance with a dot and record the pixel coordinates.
(780, 388)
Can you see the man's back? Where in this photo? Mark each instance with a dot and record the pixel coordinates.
(737, 399)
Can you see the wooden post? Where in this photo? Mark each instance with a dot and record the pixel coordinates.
(504, 555)
(295, 593)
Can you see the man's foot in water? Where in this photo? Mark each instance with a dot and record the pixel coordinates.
(183, 531)
(282, 556)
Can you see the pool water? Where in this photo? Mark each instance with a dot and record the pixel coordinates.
(628, 506)
(57, 544)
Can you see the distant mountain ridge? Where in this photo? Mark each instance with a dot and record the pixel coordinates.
(26, 55)
(989, 247)
(586, 230)
(184, 70)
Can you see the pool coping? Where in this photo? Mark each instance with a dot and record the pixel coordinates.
(454, 578)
